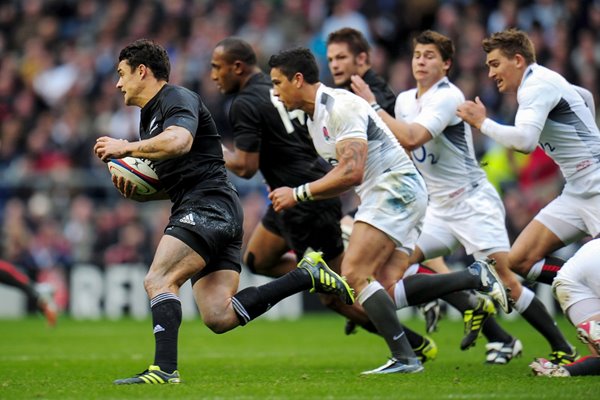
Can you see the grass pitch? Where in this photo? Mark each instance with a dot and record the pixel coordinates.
(309, 358)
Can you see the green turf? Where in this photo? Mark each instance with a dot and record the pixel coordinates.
(305, 359)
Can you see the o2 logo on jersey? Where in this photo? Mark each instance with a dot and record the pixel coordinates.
(424, 155)
(287, 116)
(547, 146)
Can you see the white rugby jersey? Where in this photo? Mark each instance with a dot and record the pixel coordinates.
(569, 134)
(339, 115)
(447, 162)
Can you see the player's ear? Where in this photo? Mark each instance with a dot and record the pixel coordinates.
(298, 79)
(447, 65)
(143, 70)
(520, 61)
(238, 67)
(361, 58)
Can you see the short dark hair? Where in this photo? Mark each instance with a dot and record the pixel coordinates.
(150, 54)
(356, 41)
(299, 59)
(510, 43)
(442, 43)
(237, 49)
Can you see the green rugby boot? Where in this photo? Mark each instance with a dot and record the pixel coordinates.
(324, 280)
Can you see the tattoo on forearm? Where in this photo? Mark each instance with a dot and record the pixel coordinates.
(352, 153)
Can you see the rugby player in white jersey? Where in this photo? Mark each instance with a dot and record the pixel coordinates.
(577, 289)
(366, 157)
(553, 114)
(464, 208)
(347, 50)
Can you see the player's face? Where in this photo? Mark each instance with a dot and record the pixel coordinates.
(506, 72)
(284, 90)
(342, 63)
(222, 72)
(428, 67)
(130, 82)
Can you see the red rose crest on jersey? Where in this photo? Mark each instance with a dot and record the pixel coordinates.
(326, 134)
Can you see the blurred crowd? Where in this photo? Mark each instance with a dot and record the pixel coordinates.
(57, 95)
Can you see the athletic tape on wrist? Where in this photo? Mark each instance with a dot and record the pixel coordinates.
(302, 193)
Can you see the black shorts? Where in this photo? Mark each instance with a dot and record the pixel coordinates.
(313, 224)
(211, 223)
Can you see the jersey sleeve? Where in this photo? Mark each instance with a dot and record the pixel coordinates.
(438, 113)
(349, 121)
(386, 99)
(182, 110)
(246, 123)
(536, 99)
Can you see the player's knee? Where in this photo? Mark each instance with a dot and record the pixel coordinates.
(149, 283)
(217, 323)
(522, 262)
(215, 326)
(561, 292)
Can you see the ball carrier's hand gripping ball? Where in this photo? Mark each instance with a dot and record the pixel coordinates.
(137, 170)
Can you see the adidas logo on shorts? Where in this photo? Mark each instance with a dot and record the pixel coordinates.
(188, 219)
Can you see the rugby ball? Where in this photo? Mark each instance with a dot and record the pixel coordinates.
(139, 171)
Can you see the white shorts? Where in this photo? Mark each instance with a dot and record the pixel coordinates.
(579, 278)
(475, 220)
(572, 216)
(395, 204)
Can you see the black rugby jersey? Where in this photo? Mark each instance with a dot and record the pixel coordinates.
(287, 155)
(203, 166)
(383, 93)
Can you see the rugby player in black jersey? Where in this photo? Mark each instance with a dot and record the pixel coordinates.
(202, 241)
(269, 138)
(347, 56)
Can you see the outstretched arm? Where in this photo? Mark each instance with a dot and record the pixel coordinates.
(522, 137)
(410, 136)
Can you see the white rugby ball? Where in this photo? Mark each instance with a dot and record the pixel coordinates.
(137, 170)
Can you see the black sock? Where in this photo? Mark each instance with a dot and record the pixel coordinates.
(464, 300)
(381, 310)
(493, 332)
(537, 315)
(166, 319)
(11, 276)
(421, 288)
(413, 337)
(369, 327)
(549, 270)
(251, 302)
(589, 365)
